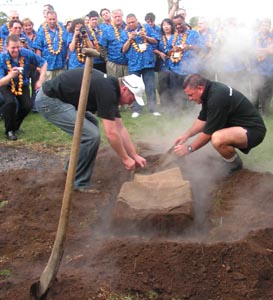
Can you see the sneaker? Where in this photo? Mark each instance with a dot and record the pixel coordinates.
(88, 191)
(156, 113)
(135, 114)
(235, 165)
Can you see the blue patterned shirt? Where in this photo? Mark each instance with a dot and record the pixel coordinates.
(96, 36)
(55, 61)
(114, 45)
(141, 60)
(263, 65)
(190, 60)
(30, 58)
(73, 61)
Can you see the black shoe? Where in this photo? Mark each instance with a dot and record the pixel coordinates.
(11, 136)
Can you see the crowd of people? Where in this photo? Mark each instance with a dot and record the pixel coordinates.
(163, 54)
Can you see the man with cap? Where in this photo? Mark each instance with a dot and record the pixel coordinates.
(57, 102)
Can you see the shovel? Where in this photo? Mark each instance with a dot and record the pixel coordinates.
(39, 290)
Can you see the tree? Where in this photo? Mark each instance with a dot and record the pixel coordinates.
(3, 18)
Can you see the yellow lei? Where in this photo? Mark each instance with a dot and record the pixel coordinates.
(134, 44)
(80, 55)
(18, 92)
(184, 38)
(48, 39)
(1, 45)
(95, 40)
(117, 35)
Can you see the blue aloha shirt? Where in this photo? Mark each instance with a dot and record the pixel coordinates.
(98, 32)
(162, 47)
(30, 58)
(73, 61)
(141, 60)
(4, 30)
(264, 65)
(31, 42)
(109, 41)
(190, 60)
(54, 62)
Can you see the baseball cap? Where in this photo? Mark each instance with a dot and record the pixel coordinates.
(136, 85)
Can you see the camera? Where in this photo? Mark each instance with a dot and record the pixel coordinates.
(20, 69)
(23, 39)
(83, 31)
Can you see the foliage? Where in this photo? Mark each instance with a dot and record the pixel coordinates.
(194, 22)
(3, 18)
(147, 128)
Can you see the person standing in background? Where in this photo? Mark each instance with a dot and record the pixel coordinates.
(111, 46)
(139, 49)
(51, 44)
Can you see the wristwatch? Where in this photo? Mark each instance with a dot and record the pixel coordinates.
(189, 148)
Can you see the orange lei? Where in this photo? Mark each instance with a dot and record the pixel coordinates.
(48, 39)
(134, 44)
(1, 45)
(184, 38)
(9, 29)
(18, 92)
(80, 55)
(95, 40)
(164, 40)
(116, 31)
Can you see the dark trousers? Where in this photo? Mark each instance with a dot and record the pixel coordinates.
(16, 108)
(262, 92)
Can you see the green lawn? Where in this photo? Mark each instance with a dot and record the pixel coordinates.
(147, 128)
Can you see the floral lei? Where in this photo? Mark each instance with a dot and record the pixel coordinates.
(95, 40)
(18, 92)
(1, 45)
(116, 31)
(134, 44)
(48, 39)
(184, 38)
(80, 55)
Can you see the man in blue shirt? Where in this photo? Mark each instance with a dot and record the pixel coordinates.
(183, 49)
(111, 45)
(51, 44)
(138, 46)
(14, 83)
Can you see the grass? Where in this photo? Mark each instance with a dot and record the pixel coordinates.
(147, 128)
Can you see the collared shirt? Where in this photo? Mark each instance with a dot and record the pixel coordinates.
(263, 65)
(114, 44)
(162, 46)
(55, 61)
(190, 61)
(5, 30)
(223, 107)
(31, 41)
(73, 61)
(103, 96)
(30, 58)
(96, 36)
(140, 60)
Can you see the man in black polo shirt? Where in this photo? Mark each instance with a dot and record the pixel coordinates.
(58, 100)
(227, 119)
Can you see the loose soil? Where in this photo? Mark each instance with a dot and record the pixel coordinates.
(225, 254)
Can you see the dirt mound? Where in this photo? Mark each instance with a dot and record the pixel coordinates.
(226, 254)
